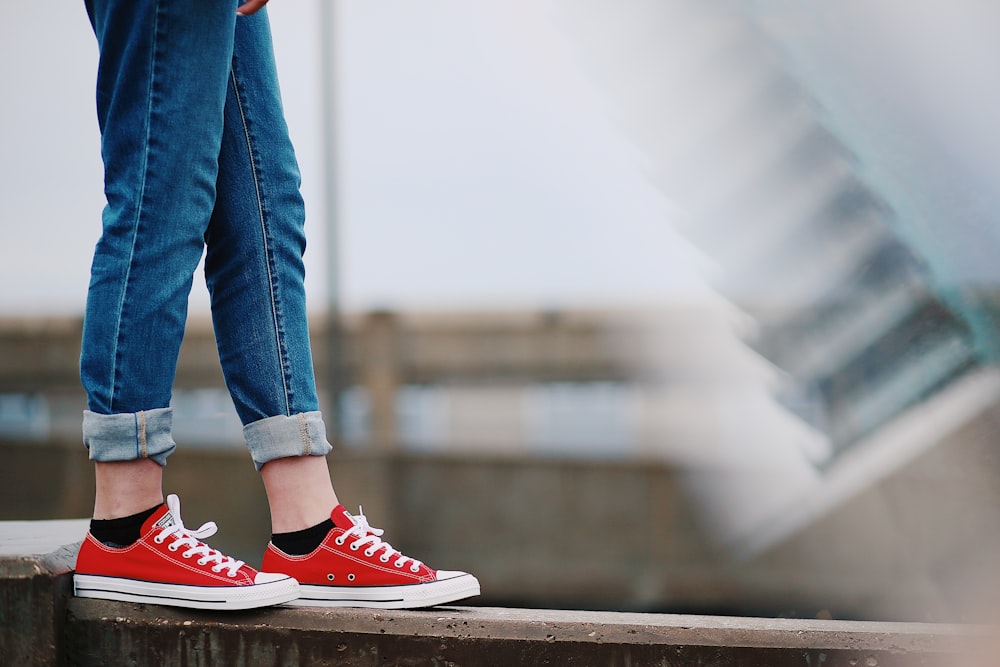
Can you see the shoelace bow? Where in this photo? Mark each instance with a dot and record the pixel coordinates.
(183, 537)
(371, 537)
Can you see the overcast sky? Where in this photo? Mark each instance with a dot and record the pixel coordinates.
(478, 167)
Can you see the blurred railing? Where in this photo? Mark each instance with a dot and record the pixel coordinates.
(382, 352)
(849, 365)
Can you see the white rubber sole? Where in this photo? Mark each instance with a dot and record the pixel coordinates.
(451, 586)
(177, 595)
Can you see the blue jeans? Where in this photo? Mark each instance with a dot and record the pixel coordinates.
(196, 155)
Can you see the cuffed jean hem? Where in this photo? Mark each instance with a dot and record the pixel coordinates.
(129, 436)
(302, 434)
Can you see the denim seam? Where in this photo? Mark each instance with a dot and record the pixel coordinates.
(140, 431)
(264, 235)
(304, 432)
(139, 209)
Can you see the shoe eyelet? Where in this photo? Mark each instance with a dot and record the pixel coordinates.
(339, 542)
(398, 564)
(384, 558)
(158, 540)
(354, 546)
(173, 547)
(414, 569)
(330, 577)
(350, 577)
(202, 562)
(369, 553)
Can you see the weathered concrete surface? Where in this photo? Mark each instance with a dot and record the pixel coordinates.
(35, 581)
(42, 624)
(100, 633)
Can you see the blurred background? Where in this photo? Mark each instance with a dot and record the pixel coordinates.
(665, 305)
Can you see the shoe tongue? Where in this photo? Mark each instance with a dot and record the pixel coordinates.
(341, 518)
(161, 518)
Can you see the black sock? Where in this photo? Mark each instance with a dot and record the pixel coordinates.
(302, 541)
(121, 532)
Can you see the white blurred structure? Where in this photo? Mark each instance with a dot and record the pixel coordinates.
(837, 162)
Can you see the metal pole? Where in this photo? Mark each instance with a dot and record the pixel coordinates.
(335, 380)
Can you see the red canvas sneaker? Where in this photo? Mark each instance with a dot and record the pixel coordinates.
(353, 567)
(170, 565)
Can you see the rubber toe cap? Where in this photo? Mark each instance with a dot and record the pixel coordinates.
(269, 577)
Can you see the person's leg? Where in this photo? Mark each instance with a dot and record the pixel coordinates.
(254, 271)
(255, 275)
(161, 90)
(160, 94)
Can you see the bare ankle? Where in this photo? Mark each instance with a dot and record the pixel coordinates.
(124, 488)
(299, 492)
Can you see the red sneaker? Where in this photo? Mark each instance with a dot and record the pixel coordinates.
(169, 565)
(353, 567)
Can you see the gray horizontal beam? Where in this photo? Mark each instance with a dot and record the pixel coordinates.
(43, 355)
(102, 632)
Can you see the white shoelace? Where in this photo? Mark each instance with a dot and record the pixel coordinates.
(191, 539)
(370, 537)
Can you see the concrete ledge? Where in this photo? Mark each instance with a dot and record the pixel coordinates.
(36, 565)
(100, 632)
(42, 624)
